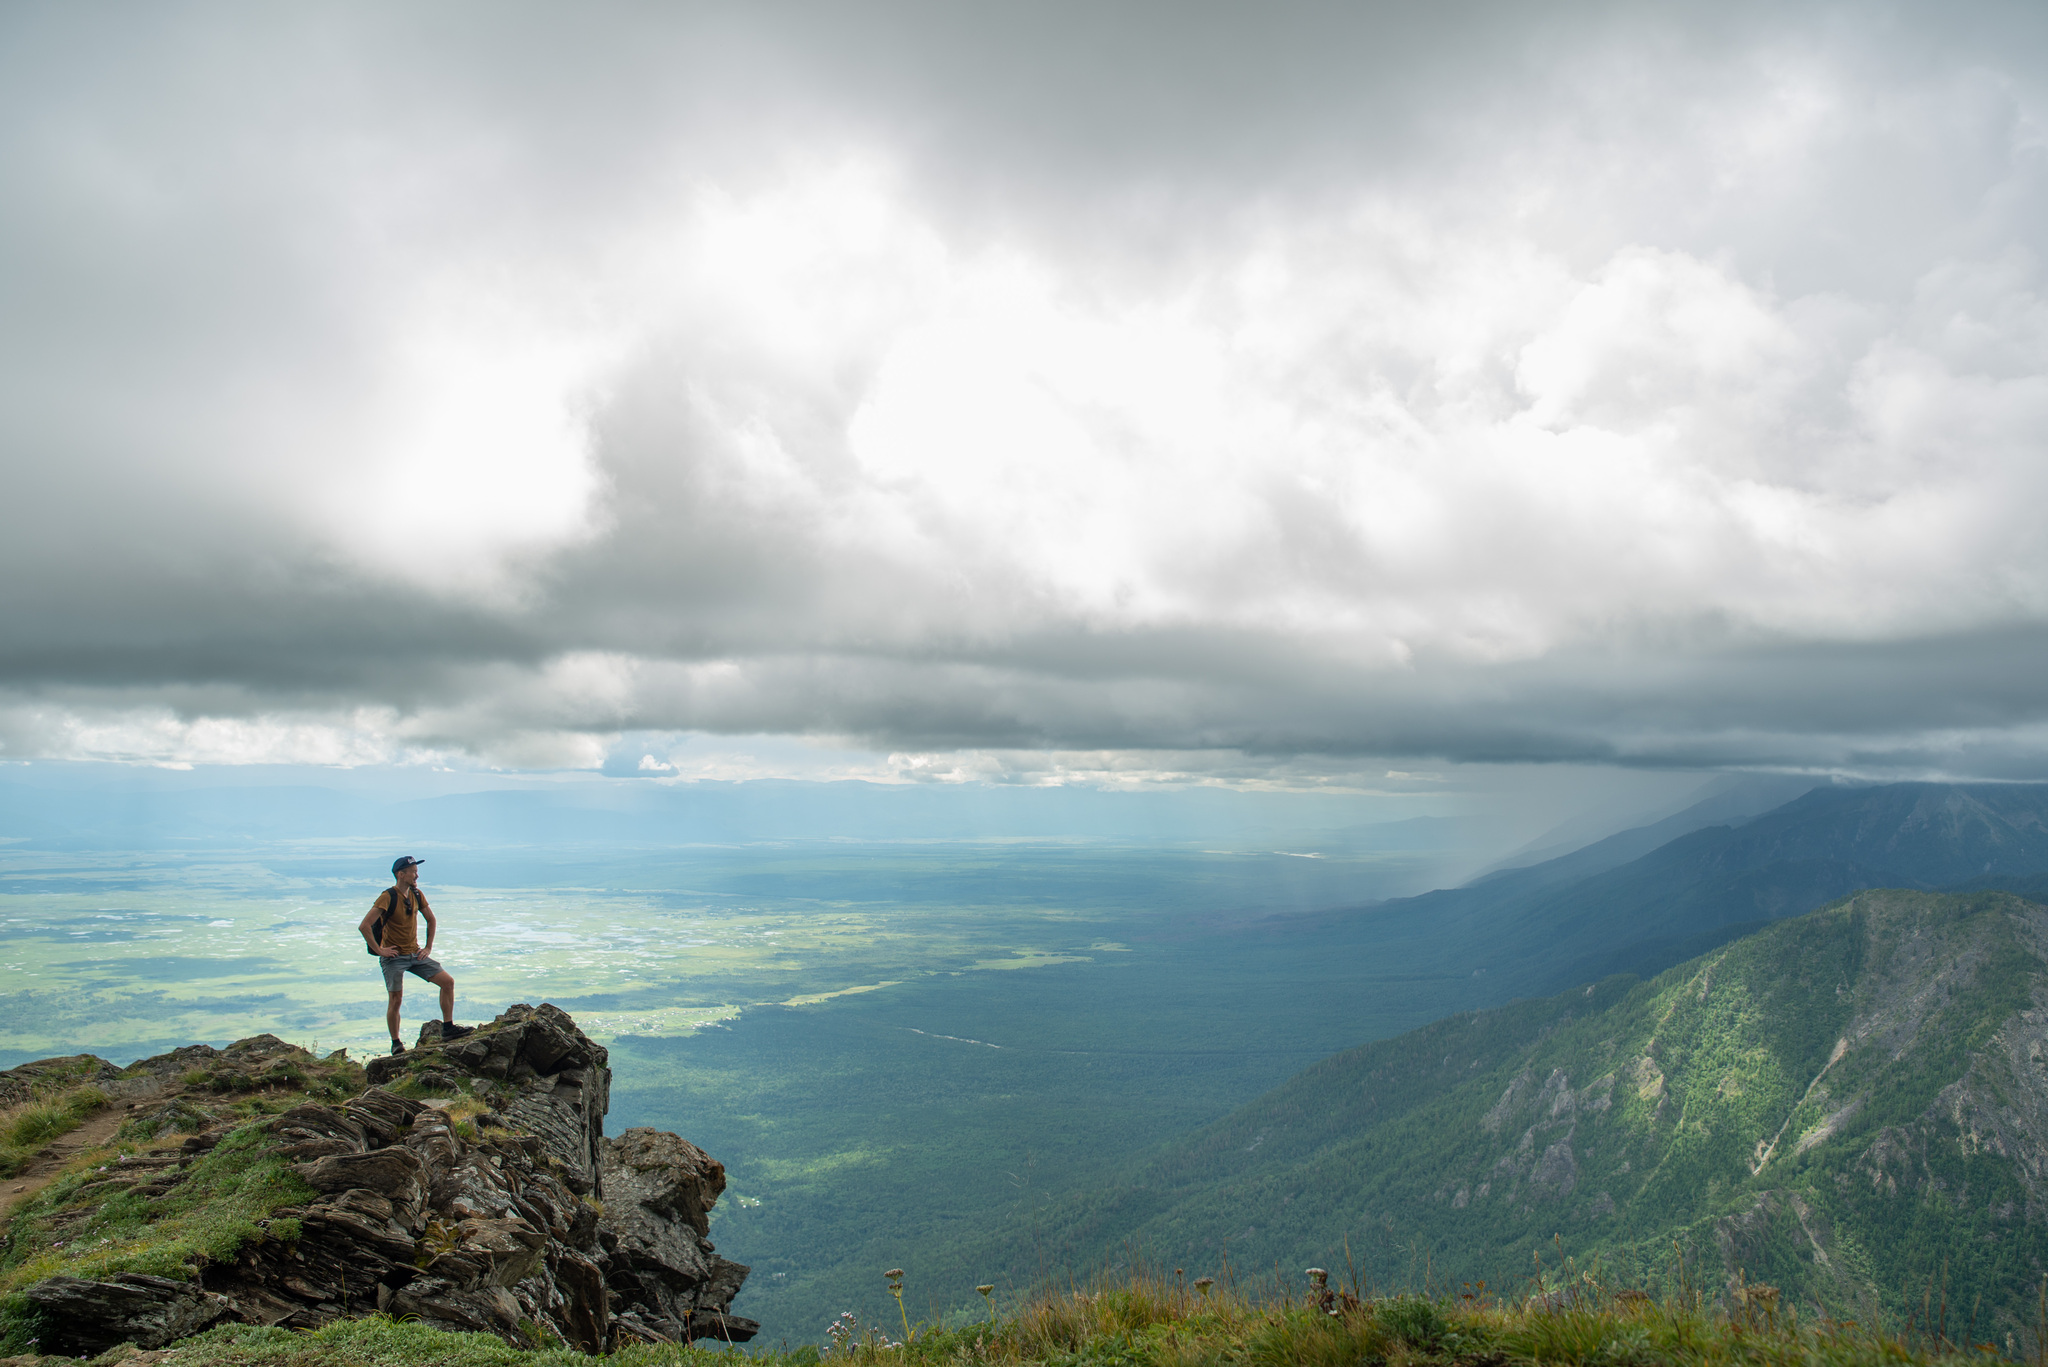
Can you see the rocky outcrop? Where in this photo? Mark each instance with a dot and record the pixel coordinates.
(249, 1065)
(658, 1192)
(128, 1308)
(552, 1080)
(25, 1083)
(497, 1206)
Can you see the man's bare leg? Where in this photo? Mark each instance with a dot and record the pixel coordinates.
(446, 983)
(391, 1011)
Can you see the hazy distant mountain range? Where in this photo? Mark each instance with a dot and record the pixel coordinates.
(128, 811)
(1616, 906)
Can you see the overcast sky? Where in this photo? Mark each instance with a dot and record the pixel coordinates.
(1271, 390)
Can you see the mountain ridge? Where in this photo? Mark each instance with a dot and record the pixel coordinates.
(1536, 929)
(1843, 1104)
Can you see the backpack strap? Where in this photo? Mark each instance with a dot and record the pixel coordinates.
(390, 897)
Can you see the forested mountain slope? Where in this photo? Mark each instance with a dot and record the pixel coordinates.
(1851, 1105)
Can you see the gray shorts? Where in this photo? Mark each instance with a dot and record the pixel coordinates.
(398, 965)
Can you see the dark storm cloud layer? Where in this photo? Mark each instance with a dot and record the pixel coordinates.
(1491, 382)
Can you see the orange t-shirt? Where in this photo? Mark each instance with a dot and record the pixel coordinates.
(401, 926)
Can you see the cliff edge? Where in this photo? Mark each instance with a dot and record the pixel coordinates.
(469, 1185)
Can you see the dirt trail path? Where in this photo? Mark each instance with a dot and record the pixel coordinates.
(50, 1163)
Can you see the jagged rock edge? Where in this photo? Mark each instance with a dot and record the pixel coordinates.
(538, 1227)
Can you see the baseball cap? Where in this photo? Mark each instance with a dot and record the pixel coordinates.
(404, 861)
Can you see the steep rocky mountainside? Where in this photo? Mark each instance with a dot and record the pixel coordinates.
(1850, 1105)
(469, 1186)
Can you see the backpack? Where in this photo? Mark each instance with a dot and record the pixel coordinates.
(419, 900)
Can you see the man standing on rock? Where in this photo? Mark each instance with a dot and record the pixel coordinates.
(392, 932)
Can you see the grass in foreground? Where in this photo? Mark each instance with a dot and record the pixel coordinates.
(1148, 1322)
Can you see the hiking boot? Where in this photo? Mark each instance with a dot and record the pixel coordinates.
(450, 1030)
(397, 1046)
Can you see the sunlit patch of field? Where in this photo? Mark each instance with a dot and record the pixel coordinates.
(1029, 961)
(654, 1021)
(813, 998)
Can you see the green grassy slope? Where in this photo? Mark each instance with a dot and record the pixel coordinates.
(1852, 1105)
(1158, 1322)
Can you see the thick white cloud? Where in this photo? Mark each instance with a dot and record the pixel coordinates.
(1511, 385)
